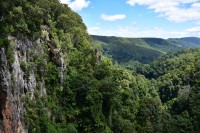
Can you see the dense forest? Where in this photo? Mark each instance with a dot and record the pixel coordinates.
(142, 50)
(55, 79)
(186, 42)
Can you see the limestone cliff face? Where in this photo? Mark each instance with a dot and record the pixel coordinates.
(20, 80)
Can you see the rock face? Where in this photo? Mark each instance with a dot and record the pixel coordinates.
(19, 80)
(11, 106)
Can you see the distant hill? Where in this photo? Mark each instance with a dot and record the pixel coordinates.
(143, 50)
(125, 49)
(186, 42)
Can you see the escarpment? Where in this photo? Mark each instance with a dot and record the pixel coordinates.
(41, 42)
(22, 77)
(35, 43)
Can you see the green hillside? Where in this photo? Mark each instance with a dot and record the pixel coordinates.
(161, 44)
(194, 40)
(176, 78)
(143, 50)
(125, 50)
(187, 42)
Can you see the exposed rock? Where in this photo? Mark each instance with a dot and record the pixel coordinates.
(10, 112)
(98, 57)
(16, 82)
(31, 85)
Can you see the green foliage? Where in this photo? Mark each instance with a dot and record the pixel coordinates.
(125, 50)
(149, 115)
(177, 83)
(23, 66)
(180, 123)
(4, 42)
(71, 128)
(10, 56)
(129, 51)
(51, 77)
(187, 42)
(86, 92)
(9, 47)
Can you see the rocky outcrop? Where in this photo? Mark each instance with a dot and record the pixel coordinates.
(11, 107)
(20, 79)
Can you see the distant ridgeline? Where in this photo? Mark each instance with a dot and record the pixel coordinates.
(142, 50)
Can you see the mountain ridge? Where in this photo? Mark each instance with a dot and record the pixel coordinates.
(126, 49)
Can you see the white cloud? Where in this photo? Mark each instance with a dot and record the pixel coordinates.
(94, 29)
(194, 31)
(113, 17)
(154, 32)
(76, 5)
(173, 10)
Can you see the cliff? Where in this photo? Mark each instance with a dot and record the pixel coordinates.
(32, 49)
(52, 80)
(17, 83)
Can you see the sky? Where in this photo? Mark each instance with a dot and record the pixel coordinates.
(139, 18)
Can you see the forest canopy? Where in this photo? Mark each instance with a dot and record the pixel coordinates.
(98, 95)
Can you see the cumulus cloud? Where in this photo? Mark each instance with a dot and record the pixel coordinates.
(173, 10)
(194, 31)
(76, 5)
(113, 17)
(154, 32)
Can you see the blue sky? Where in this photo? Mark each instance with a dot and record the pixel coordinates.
(139, 18)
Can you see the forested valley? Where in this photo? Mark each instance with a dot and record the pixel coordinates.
(56, 78)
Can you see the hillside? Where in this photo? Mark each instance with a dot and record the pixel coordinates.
(194, 40)
(125, 50)
(143, 50)
(187, 42)
(177, 76)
